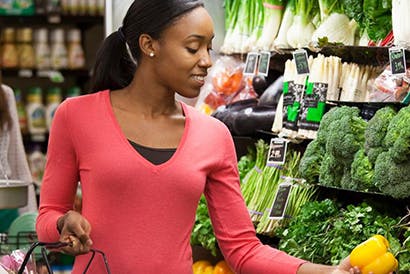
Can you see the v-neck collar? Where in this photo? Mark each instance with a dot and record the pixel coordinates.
(124, 140)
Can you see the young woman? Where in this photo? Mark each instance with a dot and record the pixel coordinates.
(144, 159)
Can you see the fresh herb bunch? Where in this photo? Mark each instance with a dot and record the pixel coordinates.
(203, 233)
(325, 233)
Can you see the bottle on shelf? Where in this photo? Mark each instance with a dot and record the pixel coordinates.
(53, 7)
(9, 55)
(101, 7)
(36, 114)
(59, 58)
(21, 110)
(36, 161)
(53, 101)
(42, 49)
(76, 58)
(25, 48)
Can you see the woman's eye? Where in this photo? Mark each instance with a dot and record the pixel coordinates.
(191, 50)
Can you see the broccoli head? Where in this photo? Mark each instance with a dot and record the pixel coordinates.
(400, 151)
(311, 160)
(346, 137)
(334, 114)
(331, 171)
(362, 172)
(392, 178)
(376, 131)
(396, 125)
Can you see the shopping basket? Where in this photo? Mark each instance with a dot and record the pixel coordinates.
(43, 246)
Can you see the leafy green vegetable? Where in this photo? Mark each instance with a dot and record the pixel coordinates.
(377, 20)
(325, 233)
(203, 233)
(354, 10)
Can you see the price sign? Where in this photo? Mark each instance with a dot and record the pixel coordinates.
(263, 66)
(301, 60)
(277, 151)
(280, 202)
(397, 60)
(251, 63)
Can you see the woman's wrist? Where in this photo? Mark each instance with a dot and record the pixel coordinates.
(60, 222)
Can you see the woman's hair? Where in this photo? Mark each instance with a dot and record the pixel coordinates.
(5, 119)
(115, 64)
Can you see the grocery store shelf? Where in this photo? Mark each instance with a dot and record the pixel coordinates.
(35, 20)
(32, 73)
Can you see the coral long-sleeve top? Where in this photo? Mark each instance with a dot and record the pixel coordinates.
(142, 214)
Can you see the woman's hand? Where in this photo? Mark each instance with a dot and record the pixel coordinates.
(74, 230)
(346, 267)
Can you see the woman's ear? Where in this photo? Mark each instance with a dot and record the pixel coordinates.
(147, 45)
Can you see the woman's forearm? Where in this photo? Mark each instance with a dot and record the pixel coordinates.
(310, 268)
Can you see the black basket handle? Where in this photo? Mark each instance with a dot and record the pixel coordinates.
(44, 246)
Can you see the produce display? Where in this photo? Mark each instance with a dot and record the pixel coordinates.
(253, 25)
(205, 267)
(354, 154)
(324, 232)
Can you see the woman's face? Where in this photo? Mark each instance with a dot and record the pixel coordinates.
(183, 55)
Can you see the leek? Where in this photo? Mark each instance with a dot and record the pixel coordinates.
(281, 40)
(301, 31)
(273, 11)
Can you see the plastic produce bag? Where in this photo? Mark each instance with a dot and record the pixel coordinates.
(225, 85)
(390, 88)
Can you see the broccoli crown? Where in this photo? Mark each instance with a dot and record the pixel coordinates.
(392, 178)
(331, 171)
(362, 172)
(377, 127)
(396, 125)
(373, 152)
(345, 137)
(311, 160)
(400, 151)
(334, 114)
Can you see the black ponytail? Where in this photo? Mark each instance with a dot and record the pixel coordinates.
(115, 66)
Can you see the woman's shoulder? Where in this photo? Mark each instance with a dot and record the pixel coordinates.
(205, 122)
(87, 101)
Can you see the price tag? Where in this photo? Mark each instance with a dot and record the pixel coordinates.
(280, 202)
(251, 63)
(301, 60)
(397, 58)
(263, 65)
(277, 151)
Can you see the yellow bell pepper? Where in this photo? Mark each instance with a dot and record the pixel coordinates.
(372, 256)
(199, 266)
(222, 268)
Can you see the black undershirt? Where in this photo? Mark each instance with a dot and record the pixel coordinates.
(156, 156)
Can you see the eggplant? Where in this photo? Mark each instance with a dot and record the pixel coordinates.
(249, 120)
(259, 84)
(272, 94)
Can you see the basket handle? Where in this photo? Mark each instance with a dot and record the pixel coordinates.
(59, 245)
